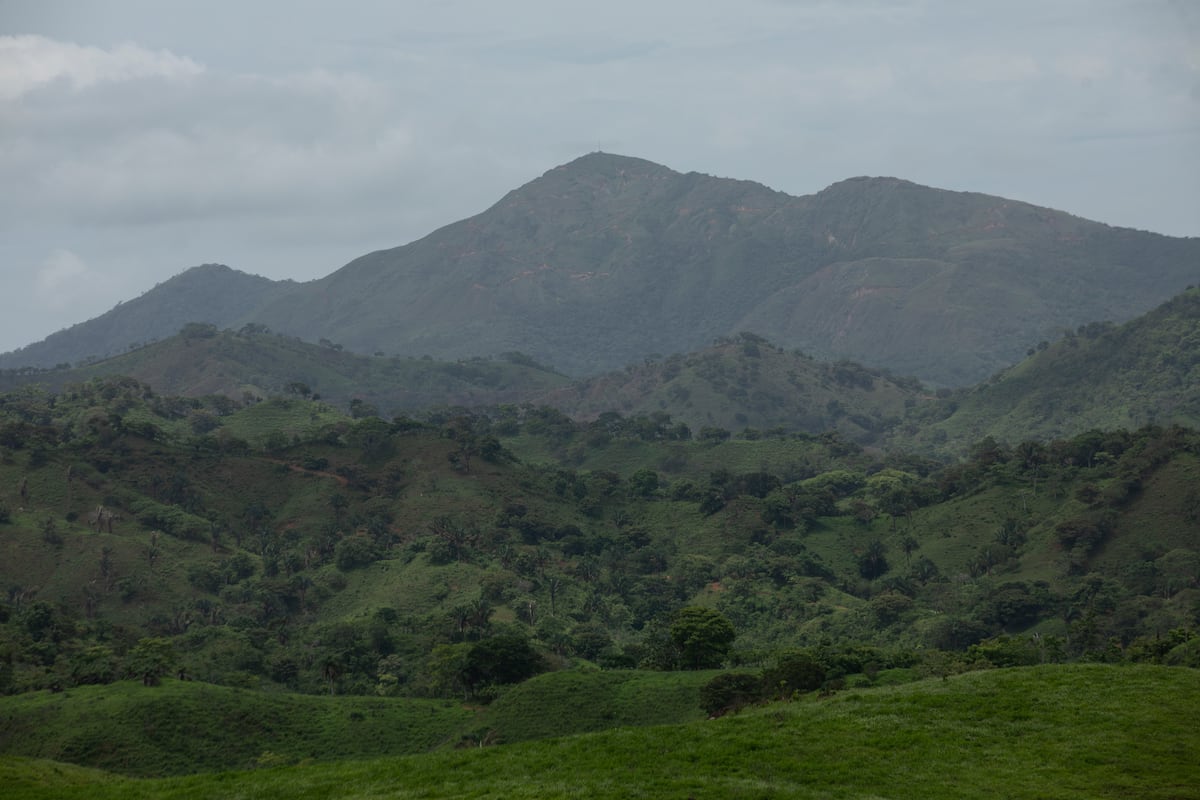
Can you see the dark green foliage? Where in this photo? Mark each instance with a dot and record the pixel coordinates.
(702, 637)
(150, 660)
(873, 561)
(1016, 605)
(730, 691)
(643, 483)
(792, 672)
(355, 551)
(496, 660)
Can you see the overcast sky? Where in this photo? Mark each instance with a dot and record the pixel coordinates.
(139, 138)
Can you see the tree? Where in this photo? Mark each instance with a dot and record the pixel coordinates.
(355, 551)
(793, 671)
(703, 637)
(712, 435)
(197, 330)
(643, 483)
(339, 503)
(873, 562)
(506, 658)
(359, 409)
(150, 660)
(730, 691)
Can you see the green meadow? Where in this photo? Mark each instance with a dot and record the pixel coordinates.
(1076, 731)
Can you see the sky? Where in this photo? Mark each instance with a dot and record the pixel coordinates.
(140, 138)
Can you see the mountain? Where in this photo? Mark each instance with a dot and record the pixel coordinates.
(212, 293)
(608, 259)
(1098, 376)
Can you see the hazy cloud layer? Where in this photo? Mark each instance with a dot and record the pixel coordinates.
(138, 139)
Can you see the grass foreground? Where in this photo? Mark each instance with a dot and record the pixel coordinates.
(1093, 731)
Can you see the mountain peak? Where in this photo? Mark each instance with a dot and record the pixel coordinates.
(610, 165)
(871, 183)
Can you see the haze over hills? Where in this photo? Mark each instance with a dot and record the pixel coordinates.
(203, 361)
(1099, 376)
(605, 260)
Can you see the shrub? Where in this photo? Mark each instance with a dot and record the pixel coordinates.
(355, 551)
(793, 672)
(730, 691)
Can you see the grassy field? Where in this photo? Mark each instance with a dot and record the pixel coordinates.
(182, 727)
(1082, 731)
(595, 701)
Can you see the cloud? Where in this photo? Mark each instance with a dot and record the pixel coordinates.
(304, 136)
(200, 146)
(61, 281)
(30, 62)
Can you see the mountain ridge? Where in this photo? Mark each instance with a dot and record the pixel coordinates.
(1098, 376)
(604, 260)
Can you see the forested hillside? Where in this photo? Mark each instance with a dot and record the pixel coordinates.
(283, 543)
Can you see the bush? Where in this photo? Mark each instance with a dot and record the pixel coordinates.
(730, 691)
(355, 551)
(793, 672)
(506, 658)
(206, 577)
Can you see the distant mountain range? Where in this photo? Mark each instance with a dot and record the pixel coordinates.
(1098, 376)
(607, 260)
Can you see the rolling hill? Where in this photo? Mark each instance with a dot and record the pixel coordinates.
(204, 361)
(606, 260)
(741, 382)
(1099, 376)
(1080, 731)
(746, 382)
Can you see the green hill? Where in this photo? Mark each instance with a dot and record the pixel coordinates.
(184, 727)
(943, 285)
(1086, 731)
(746, 382)
(1101, 376)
